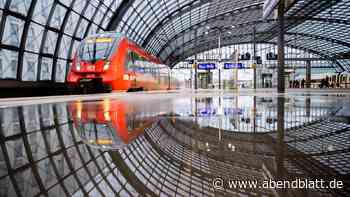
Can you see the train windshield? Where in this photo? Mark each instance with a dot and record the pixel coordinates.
(98, 47)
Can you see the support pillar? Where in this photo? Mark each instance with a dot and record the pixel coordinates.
(280, 43)
(254, 57)
(308, 74)
(195, 64)
(219, 66)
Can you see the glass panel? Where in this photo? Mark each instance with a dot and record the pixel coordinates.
(79, 5)
(64, 47)
(60, 71)
(8, 64)
(71, 23)
(50, 42)
(46, 69)
(30, 64)
(13, 31)
(42, 11)
(20, 6)
(35, 34)
(89, 11)
(82, 28)
(2, 3)
(58, 16)
(93, 29)
(75, 47)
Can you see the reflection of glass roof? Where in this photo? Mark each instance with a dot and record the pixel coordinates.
(38, 38)
(43, 154)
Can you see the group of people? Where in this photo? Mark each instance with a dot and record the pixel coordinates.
(297, 83)
(329, 83)
(324, 83)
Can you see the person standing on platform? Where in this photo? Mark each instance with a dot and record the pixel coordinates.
(303, 83)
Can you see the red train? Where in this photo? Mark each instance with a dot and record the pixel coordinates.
(110, 61)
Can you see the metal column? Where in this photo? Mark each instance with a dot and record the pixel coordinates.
(308, 74)
(219, 66)
(195, 64)
(254, 56)
(280, 43)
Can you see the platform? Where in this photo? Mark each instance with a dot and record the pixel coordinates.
(175, 143)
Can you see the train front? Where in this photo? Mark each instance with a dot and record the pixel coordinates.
(92, 65)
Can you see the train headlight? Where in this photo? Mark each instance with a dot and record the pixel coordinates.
(106, 66)
(77, 67)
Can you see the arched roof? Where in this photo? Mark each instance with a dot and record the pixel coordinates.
(174, 30)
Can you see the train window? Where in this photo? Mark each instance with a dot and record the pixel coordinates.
(96, 48)
(136, 63)
(129, 62)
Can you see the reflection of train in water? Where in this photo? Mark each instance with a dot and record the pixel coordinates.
(112, 124)
(111, 61)
(108, 125)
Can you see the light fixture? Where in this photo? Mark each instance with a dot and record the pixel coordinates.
(207, 27)
(106, 66)
(77, 66)
(233, 26)
(206, 33)
(229, 32)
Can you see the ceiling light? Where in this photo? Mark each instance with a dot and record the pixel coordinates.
(233, 26)
(230, 32)
(206, 32)
(207, 27)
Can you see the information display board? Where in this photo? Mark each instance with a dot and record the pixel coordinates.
(206, 66)
(233, 65)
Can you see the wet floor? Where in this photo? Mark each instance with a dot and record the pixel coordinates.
(178, 145)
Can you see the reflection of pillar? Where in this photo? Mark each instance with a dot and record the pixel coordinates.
(169, 79)
(220, 113)
(208, 81)
(308, 74)
(308, 106)
(219, 46)
(196, 110)
(280, 150)
(254, 114)
(280, 43)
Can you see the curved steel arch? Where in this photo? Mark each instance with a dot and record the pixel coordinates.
(174, 14)
(212, 20)
(119, 13)
(254, 23)
(212, 44)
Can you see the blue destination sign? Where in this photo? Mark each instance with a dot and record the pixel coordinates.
(233, 65)
(206, 66)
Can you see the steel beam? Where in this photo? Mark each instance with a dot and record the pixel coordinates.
(214, 20)
(280, 46)
(119, 13)
(24, 40)
(174, 14)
